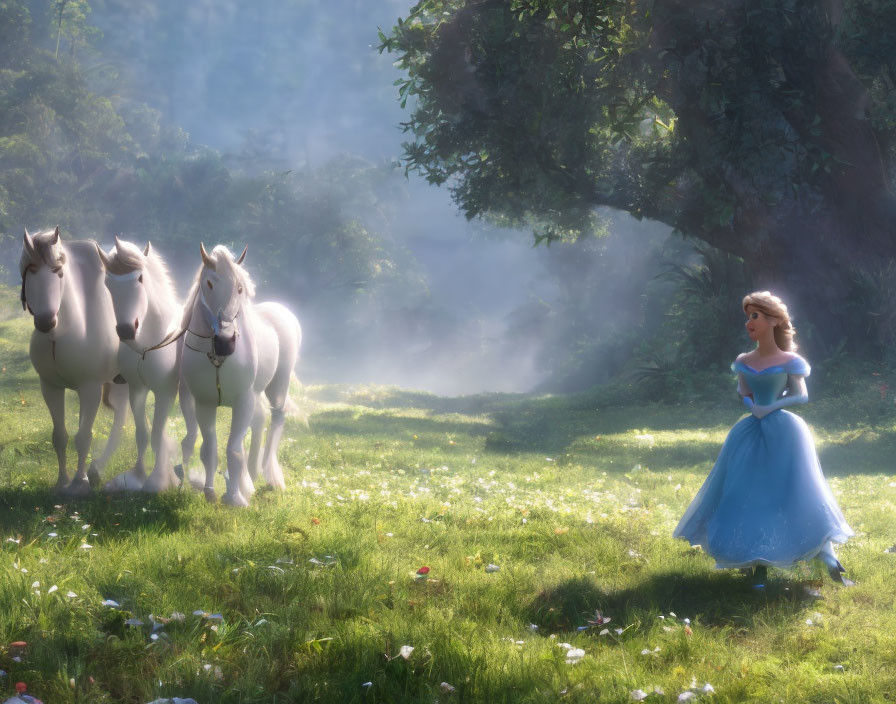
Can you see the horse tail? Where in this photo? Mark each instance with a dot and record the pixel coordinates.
(107, 388)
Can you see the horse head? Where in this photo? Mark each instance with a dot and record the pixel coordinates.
(42, 266)
(125, 266)
(224, 287)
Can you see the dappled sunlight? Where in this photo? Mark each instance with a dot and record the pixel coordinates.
(486, 545)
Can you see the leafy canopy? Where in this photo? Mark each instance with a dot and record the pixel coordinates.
(721, 118)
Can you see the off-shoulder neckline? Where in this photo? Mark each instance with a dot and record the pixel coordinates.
(781, 367)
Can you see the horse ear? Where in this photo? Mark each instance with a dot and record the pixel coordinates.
(243, 255)
(55, 235)
(104, 258)
(147, 249)
(206, 257)
(29, 246)
(118, 242)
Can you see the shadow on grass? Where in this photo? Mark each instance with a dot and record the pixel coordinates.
(393, 397)
(863, 455)
(25, 511)
(723, 598)
(348, 423)
(554, 425)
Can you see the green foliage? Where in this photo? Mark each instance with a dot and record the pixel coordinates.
(762, 128)
(705, 316)
(75, 151)
(492, 82)
(70, 20)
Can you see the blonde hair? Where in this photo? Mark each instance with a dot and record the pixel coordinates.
(769, 304)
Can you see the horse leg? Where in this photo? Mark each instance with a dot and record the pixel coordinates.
(188, 409)
(208, 450)
(273, 473)
(118, 399)
(90, 396)
(255, 445)
(162, 477)
(54, 397)
(250, 471)
(243, 410)
(134, 478)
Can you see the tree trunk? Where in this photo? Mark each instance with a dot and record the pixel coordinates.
(806, 245)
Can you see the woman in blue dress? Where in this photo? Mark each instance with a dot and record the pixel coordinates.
(766, 501)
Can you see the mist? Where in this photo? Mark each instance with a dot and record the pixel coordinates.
(299, 89)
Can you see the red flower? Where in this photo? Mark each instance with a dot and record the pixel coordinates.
(423, 570)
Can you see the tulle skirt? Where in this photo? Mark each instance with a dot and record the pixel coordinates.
(766, 500)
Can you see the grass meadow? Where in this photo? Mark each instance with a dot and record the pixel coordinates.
(531, 513)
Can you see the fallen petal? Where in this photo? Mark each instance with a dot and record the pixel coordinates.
(574, 655)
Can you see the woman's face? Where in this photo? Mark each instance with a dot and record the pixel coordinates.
(759, 325)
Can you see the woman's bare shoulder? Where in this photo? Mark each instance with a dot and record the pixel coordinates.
(755, 361)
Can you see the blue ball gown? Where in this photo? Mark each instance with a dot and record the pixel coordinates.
(766, 501)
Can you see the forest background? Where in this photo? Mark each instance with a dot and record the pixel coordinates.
(280, 126)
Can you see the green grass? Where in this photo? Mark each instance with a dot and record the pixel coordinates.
(573, 499)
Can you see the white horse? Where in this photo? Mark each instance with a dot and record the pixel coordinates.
(73, 346)
(234, 351)
(146, 309)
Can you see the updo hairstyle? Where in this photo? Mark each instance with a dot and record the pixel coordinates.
(772, 306)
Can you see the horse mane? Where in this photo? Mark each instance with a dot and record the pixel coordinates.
(50, 254)
(127, 257)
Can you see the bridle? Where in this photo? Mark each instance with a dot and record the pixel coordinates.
(135, 274)
(216, 322)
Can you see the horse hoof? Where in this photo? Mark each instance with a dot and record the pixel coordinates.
(125, 482)
(61, 485)
(247, 488)
(278, 483)
(93, 476)
(210, 495)
(274, 476)
(235, 499)
(79, 488)
(156, 485)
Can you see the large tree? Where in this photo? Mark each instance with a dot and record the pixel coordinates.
(763, 127)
